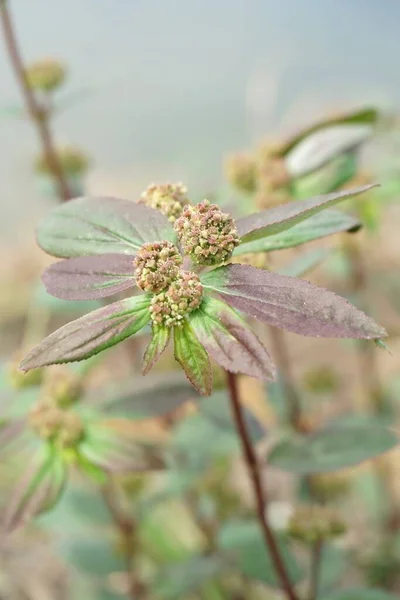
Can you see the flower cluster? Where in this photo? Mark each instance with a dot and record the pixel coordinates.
(72, 160)
(45, 75)
(241, 171)
(55, 424)
(168, 198)
(170, 307)
(314, 523)
(156, 266)
(208, 236)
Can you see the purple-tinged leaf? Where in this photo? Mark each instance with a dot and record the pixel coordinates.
(290, 303)
(87, 226)
(193, 358)
(90, 334)
(230, 342)
(116, 451)
(159, 341)
(365, 116)
(90, 277)
(38, 490)
(277, 219)
(321, 225)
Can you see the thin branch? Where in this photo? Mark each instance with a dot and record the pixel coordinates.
(260, 496)
(37, 114)
(127, 529)
(316, 556)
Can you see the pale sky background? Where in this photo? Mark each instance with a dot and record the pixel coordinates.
(177, 84)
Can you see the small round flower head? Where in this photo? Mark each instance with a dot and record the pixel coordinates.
(168, 198)
(45, 75)
(170, 307)
(62, 386)
(156, 266)
(330, 486)
(241, 172)
(314, 523)
(52, 423)
(72, 160)
(208, 236)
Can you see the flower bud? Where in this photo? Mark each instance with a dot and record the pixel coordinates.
(241, 172)
(156, 266)
(45, 75)
(62, 386)
(170, 307)
(315, 523)
(208, 236)
(328, 487)
(168, 198)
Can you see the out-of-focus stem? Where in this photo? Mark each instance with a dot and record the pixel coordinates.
(127, 530)
(38, 116)
(259, 493)
(316, 556)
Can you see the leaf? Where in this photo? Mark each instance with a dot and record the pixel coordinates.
(365, 116)
(177, 580)
(305, 262)
(158, 343)
(192, 357)
(228, 339)
(150, 397)
(333, 448)
(317, 149)
(90, 334)
(95, 556)
(243, 540)
(290, 303)
(90, 277)
(277, 219)
(38, 490)
(328, 178)
(321, 225)
(116, 451)
(87, 226)
(360, 594)
(334, 563)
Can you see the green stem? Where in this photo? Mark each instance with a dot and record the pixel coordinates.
(316, 556)
(38, 116)
(259, 493)
(126, 526)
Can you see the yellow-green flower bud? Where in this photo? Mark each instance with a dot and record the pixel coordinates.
(241, 172)
(73, 162)
(55, 424)
(315, 523)
(45, 75)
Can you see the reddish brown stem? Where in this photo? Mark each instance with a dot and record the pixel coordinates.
(260, 495)
(127, 530)
(37, 114)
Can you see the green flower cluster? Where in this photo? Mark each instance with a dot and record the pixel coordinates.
(314, 523)
(56, 424)
(208, 236)
(45, 75)
(168, 198)
(170, 307)
(156, 266)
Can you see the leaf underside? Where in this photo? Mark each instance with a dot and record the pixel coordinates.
(193, 358)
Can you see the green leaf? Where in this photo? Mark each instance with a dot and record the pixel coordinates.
(305, 262)
(38, 490)
(91, 334)
(328, 178)
(334, 564)
(93, 555)
(230, 342)
(280, 218)
(159, 341)
(177, 580)
(88, 226)
(320, 225)
(194, 360)
(333, 448)
(243, 541)
(360, 594)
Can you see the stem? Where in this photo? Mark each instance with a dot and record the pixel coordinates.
(127, 529)
(316, 556)
(283, 362)
(260, 496)
(37, 114)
